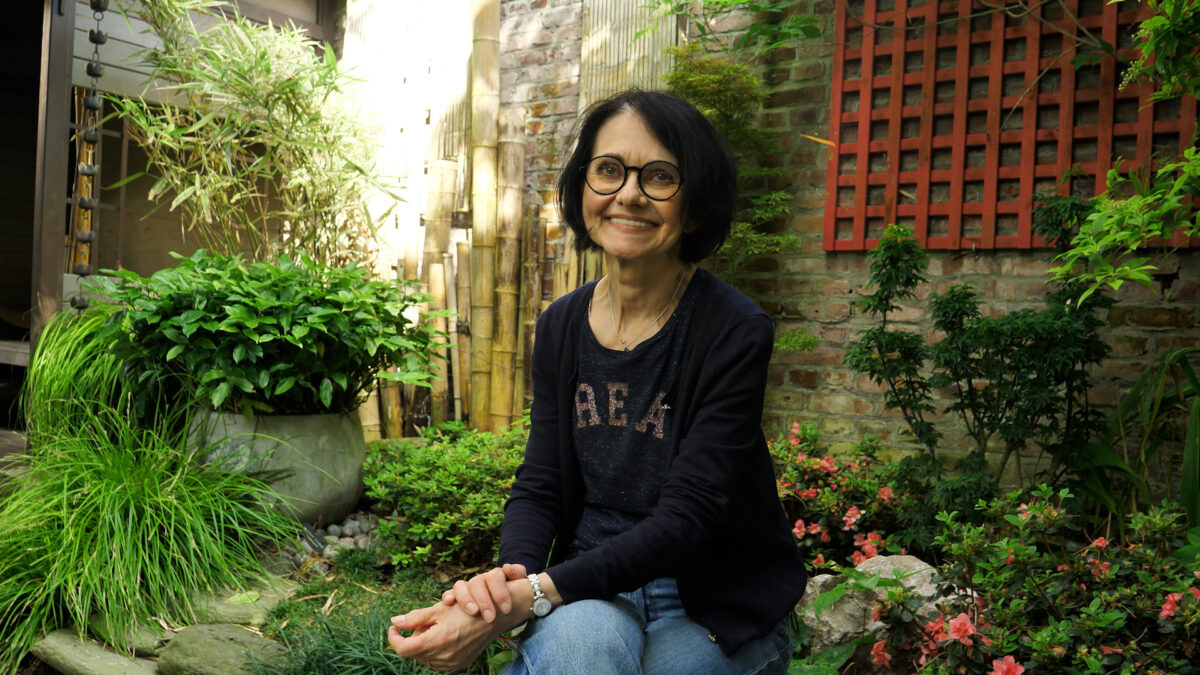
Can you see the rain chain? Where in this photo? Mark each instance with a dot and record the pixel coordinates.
(86, 144)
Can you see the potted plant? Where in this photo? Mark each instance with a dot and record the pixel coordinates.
(278, 354)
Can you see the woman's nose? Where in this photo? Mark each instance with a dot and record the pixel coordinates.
(631, 191)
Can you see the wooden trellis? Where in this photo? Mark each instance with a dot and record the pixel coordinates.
(950, 116)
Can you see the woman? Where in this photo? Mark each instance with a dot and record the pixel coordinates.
(645, 506)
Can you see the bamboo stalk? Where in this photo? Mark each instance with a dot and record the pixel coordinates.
(508, 263)
(463, 274)
(438, 386)
(485, 108)
(442, 178)
(453, 364)
(532, 246)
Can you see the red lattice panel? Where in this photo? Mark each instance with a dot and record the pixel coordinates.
(949, 117)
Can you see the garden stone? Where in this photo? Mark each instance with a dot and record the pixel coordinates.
(66, 653)
(847, 619)
(251, 608)
(217, 649)
(346, 542)
(145, 641)
(333, 531)
(850, 616)
(362, 541)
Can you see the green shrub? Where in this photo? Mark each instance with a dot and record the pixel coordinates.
(848, 510)
(294, 337)
(1032, 589)
(447, 490)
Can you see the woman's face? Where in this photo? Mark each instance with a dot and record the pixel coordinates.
(627, 224)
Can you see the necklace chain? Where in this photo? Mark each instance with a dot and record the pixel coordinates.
(612, 315)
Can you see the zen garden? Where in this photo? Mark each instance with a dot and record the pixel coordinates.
(267, 360)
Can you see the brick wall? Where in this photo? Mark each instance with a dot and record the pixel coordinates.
(808, 287)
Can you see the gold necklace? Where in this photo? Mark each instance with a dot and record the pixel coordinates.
(612, 315)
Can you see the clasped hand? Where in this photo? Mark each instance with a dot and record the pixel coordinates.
(450, 635)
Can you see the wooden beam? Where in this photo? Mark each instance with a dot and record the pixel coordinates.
(50, 199)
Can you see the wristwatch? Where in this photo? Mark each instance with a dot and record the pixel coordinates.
(541, 604)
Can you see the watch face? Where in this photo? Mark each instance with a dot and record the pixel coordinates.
(541, 607)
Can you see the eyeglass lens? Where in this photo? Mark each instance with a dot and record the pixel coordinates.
(658, 180)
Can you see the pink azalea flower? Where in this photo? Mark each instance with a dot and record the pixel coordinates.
(829, 465)
(857, 558)
(814, 528)
(1023, 512)
(879, 655)
(1195, 592)
(886, 495)
(1100, 542)
(820, 559)
(961, 629)
(810, 493)
(851, 517)
(1171, 604)
(1008, 666)
(799, 530)
(870, 550)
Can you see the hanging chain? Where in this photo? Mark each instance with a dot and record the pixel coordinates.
(85, 222)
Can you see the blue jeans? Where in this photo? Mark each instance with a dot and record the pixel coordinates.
(645, 631)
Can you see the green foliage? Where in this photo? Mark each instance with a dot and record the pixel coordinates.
(1106, 250)
(264, 154)
(74, 375)
(294, 337)
(122, 521)
(850, 510)
(777, 26)
(1167, 49)
(337, 624)
(447, 490)
(1013, 378)
(1148, 420)
(1053, 598)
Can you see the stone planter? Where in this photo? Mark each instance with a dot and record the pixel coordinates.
(320, 456)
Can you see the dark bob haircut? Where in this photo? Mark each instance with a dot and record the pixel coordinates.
(705, 163)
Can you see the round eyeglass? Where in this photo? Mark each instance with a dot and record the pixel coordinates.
(659, 181)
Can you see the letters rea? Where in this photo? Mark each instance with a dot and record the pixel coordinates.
(588, 415)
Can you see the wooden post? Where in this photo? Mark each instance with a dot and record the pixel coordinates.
(485, 108)
(508, 263)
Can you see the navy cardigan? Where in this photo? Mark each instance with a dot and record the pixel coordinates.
(718, 528)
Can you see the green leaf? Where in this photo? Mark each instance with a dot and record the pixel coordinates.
(326, 392)
(175, 351)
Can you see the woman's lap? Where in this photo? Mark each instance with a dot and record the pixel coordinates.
(641, 632)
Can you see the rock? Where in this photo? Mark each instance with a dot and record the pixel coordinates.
(850, 616)
(346, 542)
(66, 653)
(145, 641)
(218, 649)
(362, 541)
(333, 531)
(251, 607)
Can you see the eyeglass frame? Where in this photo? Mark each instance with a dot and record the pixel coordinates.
(625, 179)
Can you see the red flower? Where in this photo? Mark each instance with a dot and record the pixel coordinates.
(810, 493)
(886, 495)
(829, 465)
(1008, 666)
(961, 629)
(857, 558)
(820, 559)
(851, 517)
(798, 530)
(1171, 604)
(879, 655)
(1111, 650)
(1100, 542)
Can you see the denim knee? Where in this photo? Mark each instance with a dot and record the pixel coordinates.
(587, 636)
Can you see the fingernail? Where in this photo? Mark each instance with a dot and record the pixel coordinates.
(472, 607)
(488, 615)
(505, 607)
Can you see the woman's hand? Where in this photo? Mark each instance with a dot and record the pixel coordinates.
(486, 593)
(444, 637)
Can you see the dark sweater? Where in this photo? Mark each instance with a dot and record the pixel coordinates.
(718, 527)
